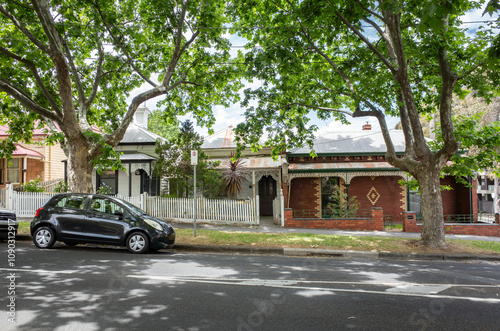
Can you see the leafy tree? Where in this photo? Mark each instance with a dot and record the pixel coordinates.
(174, 164)
(341, 205)
(162, 126)
(73, 64)
(366, 58)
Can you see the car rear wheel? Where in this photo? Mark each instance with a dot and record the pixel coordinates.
(137, 243)
(44, 237)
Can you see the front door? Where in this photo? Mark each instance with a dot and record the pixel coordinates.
(267, 193)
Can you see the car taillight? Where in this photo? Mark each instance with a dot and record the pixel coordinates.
(37, 213)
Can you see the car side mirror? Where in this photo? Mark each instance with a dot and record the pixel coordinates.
(118, 213)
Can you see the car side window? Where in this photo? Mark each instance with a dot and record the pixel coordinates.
(105, 206)
(72, 201)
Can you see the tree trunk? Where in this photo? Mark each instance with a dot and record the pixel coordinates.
(432, 208)
(79, 167)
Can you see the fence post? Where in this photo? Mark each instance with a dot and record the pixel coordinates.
(282, 206)
(257, 211)
(144, 202)
(9, 200)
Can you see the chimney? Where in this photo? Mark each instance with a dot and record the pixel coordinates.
(141, 117)
(367, 127)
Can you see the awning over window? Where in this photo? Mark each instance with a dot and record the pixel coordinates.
(23, 151)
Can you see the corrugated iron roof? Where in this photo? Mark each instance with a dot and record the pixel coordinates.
(136, 134)
(23, 151)
(359, 142)
(221, 139)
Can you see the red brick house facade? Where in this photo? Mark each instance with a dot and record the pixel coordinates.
(355, 161)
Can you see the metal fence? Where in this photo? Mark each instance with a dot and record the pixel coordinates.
(328, 213)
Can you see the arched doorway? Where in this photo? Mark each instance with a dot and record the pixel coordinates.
(267, 193)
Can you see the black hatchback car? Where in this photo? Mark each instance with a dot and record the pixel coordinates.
(76, 218)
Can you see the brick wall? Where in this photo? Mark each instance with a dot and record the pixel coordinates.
(305, 195)
(34, 170)
(491, 230)
(375, 223)
(382, 192)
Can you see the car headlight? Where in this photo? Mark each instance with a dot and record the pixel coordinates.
(154, 224)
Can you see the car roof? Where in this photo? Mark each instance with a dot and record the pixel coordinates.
(91, 195)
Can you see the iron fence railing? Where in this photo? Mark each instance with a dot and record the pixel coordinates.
(466, 218)
(328, 213)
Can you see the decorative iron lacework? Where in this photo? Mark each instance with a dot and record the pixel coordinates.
(347, 176)
(139, 166)
(262, 173)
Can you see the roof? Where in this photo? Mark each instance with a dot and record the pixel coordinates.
(221, 139)
(36, 132)
(359, 142)
(23, 151)
(137, 135)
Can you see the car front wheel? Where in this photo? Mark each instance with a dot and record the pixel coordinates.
(44, 237)
(137, 243)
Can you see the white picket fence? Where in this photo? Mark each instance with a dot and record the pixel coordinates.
(25, 204)
(3, 197)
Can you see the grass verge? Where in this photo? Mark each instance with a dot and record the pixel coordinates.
(309, 240)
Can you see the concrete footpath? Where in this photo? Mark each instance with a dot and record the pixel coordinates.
(267, 226)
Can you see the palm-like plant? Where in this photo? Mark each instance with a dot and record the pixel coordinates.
(234, 175)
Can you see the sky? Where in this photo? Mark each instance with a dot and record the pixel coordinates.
(233, 115)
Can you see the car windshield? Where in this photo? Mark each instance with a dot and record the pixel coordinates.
(133, 209)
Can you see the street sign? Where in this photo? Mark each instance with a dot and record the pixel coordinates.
(194, 157)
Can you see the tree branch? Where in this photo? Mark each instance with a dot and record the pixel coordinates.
(347, 112)
(330, 61)
(24, 30)
(178, 50)
(31, 66)
(366, 41)
(116, 136)
(371, 12)
(58, 57)
(81, 94)
(468, 72)
(25, 100)
(123, 48)
(98, 75)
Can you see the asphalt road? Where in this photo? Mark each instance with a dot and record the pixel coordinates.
(96, 288)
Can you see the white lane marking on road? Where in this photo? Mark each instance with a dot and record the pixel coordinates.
(40, 271)
(289, 285)
(418, 289)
